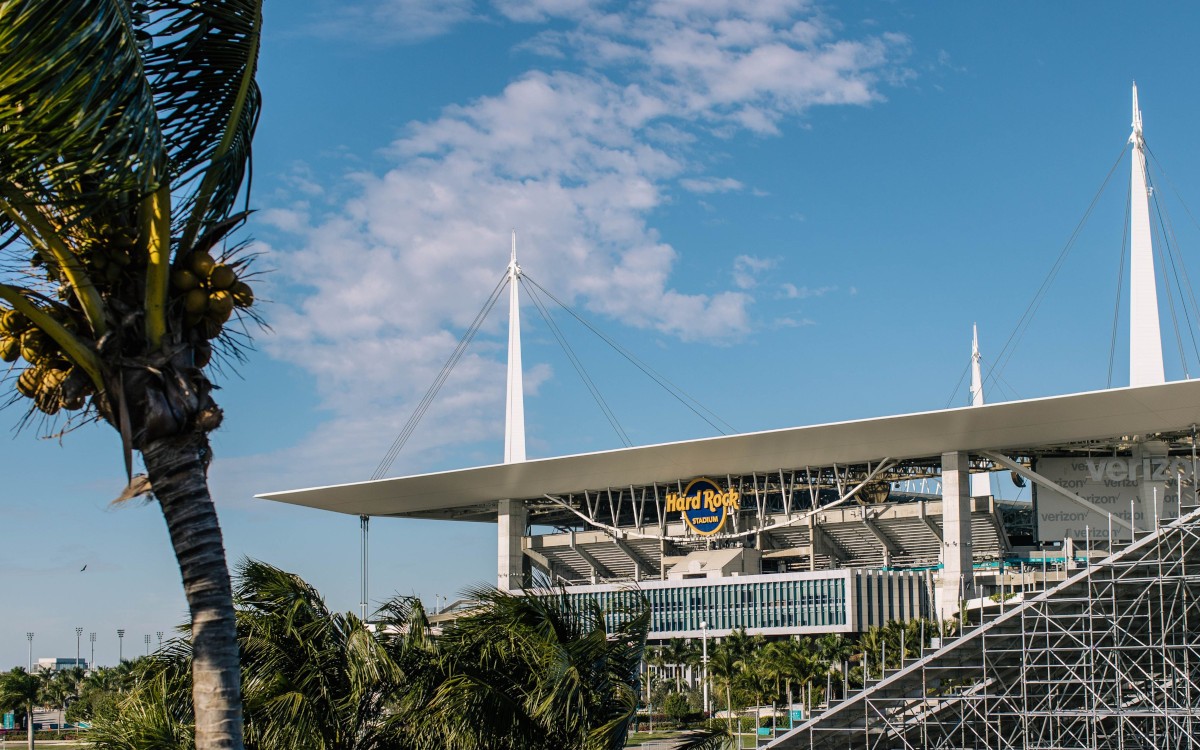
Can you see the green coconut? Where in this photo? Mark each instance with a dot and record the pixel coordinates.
(195, 302)
(221, 277)
(184, 280)
(201, 354)
(220, 306)
(243, 295)
(201, 264)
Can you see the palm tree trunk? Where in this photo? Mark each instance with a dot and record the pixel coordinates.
(29, 724)
(177, 469)
(729, 707)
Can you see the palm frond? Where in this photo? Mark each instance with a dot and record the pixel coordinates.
(201, 68)
(75, 104)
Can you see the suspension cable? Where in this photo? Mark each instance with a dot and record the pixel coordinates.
(578, 365)
(1163, 257)
(958, 385)
(1112, 344)
(1026, 318)
(676, 392)
(423, 406)
(1187, 282)
(1171, 250)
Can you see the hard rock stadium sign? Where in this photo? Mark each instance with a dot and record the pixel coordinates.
(704, 505)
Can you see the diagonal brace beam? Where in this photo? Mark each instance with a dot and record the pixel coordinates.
(1033, 476)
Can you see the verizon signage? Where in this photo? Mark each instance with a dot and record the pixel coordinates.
(1145, 487)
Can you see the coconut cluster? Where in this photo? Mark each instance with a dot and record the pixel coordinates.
(209, 292)
(50, 380)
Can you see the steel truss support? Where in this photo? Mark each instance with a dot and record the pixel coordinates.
(1107, 660)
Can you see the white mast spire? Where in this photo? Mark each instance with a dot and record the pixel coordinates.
(981, 483)
(514, 412)
(1145, 336)
(976, 378)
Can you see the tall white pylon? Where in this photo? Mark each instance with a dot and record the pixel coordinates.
(514, 412)
(981, 483)
(511, 515)
(1145, 336)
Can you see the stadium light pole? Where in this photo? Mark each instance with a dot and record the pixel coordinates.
(704, 661)
(159, 634)
(29, 637)
(120, 645)
(78, 638)
(147, 644)
(92, 639)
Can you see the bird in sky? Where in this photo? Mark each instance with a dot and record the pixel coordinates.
(83, 568)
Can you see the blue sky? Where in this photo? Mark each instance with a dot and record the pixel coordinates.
(795, 210)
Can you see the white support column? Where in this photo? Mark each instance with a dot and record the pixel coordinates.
(511, 518)
(511, 515)
(981, 482)
(1145, 336)
(957, 578)
(514, 410)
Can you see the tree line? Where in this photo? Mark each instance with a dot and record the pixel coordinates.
(746, 671)
(519, 671)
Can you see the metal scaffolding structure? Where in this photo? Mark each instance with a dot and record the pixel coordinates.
(1108, 659)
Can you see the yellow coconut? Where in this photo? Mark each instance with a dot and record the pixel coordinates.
(10, 349)
(35, 345)
(27, 383)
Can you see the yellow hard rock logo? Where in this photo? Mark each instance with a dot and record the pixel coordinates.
(704, 505)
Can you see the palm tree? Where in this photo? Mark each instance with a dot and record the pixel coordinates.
(540, 672)
(125, 137)
(21, 691)
(723, 669)
(312, 678)
(677, 653)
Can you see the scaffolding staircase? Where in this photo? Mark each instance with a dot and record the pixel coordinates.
(1107, 659)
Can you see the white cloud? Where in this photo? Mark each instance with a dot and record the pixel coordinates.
(378, 286)
(388, 21)
(706, 185)
(744, 65)
(746, 269)
(791, 291)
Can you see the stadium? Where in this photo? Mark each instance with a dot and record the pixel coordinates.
(1085, 628)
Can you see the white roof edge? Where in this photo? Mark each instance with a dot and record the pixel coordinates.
(1132, 409)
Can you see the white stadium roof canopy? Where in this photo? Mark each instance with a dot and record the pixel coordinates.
(1170, 407)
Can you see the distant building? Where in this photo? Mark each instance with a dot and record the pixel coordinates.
(57, 664)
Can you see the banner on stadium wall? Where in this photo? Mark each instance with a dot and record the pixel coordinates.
(1142, 488)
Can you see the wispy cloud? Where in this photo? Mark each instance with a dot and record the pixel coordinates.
(746, 269)
(389, 21)
(791, 291)
(706, 185)
(379, 284)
